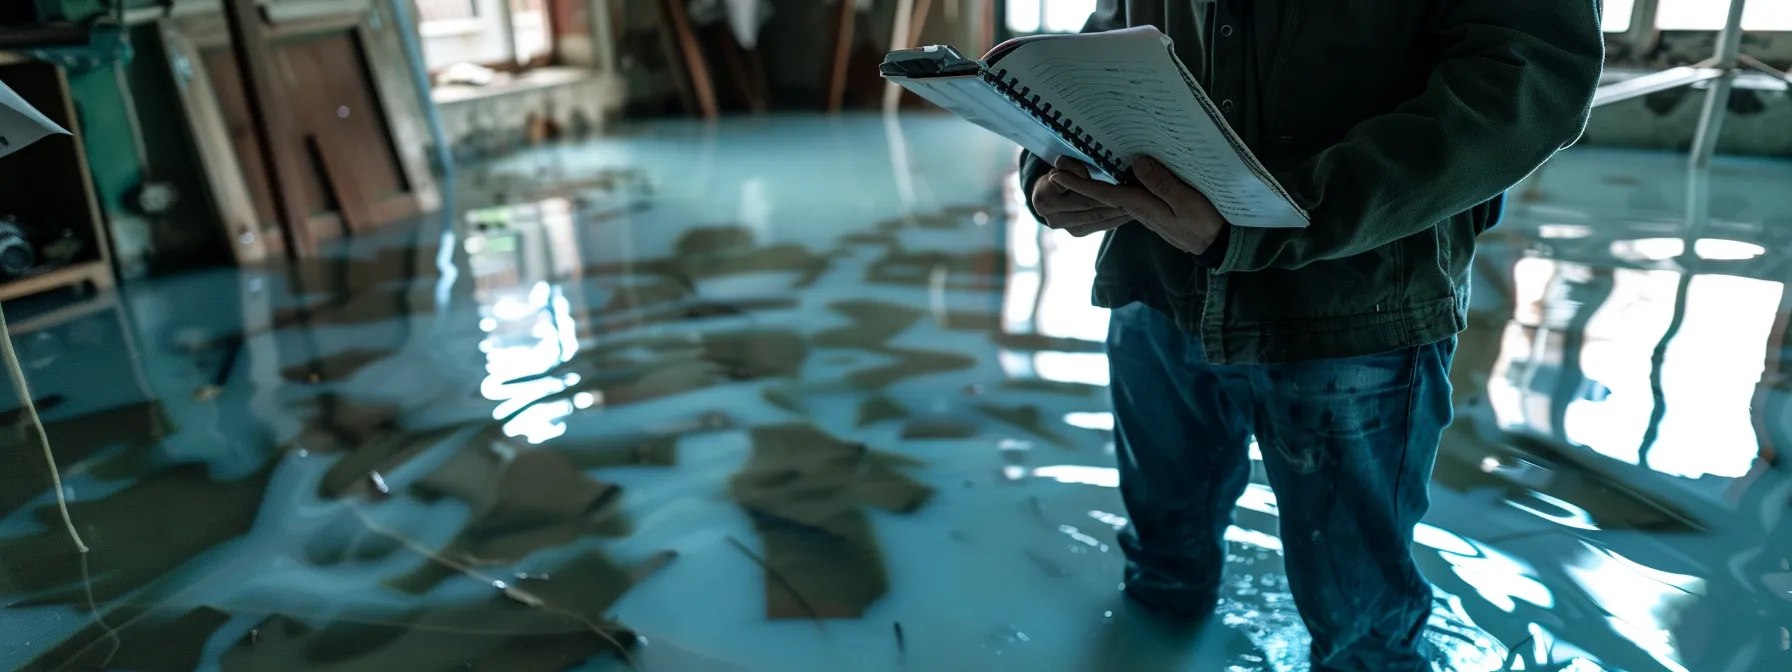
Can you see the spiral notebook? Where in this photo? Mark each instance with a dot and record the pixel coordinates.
(1103, 99)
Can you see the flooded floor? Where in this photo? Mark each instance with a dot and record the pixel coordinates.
(808, 394)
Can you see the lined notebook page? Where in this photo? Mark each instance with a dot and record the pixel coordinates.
(968, 96)
(1128, 91)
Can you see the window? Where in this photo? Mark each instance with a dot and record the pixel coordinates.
(1048, 16)
(502, 34)
(1617, 15)
(1759, 15)
(1710, 15)
(438, 11)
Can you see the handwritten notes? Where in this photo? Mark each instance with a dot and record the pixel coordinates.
(1130, 93)
(979, 103)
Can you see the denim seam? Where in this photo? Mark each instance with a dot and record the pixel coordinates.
(1412, 395)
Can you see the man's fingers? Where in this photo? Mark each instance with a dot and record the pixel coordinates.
(1069, 220)
(1157, 179)
(1098, 227)
(1113, 195)
(1059, 199)
(1072, 166)
(1136, 200)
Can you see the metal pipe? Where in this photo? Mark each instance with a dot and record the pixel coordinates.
(1717, 98)
(1729, 42)
(1711, 120)
(1642, 33)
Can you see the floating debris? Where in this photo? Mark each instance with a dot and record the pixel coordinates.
(379, 484)
(526, 576)
(518, 595)
(1051, 567)
(901, 644)
(207, 393)
(877, 408)
(254, 637)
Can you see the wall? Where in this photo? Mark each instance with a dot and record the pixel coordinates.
(1758, 121)
(543, 105)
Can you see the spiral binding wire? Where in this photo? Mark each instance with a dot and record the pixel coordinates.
(1065, 128)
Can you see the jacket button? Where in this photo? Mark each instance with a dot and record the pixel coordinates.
(1226, 106)
(1225, 31)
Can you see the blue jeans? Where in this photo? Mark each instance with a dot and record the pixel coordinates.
(1348, 444)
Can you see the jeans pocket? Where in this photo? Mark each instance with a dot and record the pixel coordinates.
(1310, 408)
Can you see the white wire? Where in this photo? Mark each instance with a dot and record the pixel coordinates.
(37, 424)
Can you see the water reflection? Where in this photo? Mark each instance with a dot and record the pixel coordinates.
(894, 405)
(518, 256)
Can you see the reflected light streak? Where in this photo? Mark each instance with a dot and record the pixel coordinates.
(1258, 497)
(1620, 342)
(1564, 231)
(1718, 249)
(1078, 535)
(1106, 477)
(1710, 375)
(1642, 607)
(1500, 579)
(1102, 420)
(1648, 249)
(1111, 520)
(1262, 540)
(529, 335)
(1072, 367)
(1574, 516)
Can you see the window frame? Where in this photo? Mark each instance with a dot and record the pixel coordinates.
(501, 26)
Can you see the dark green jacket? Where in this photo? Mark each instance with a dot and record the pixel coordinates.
(1395, 123)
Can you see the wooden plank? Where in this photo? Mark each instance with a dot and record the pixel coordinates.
(101, 273)
(914, 30)
(272, 123)
(95, 272)
(62, 314)
(339, 174)
(403, 106)
(680, 24)
(224, 176)
(844, 22)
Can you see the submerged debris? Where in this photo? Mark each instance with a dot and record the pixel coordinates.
(379, 484)
(901, 645)
(254, 637)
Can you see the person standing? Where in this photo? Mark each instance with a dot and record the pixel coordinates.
(1398, 126)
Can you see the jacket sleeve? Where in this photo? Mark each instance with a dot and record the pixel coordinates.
(1513, 85)
(1108, 15)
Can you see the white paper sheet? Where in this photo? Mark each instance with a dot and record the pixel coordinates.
(20, 123)
(1127, 90)
(970, 98)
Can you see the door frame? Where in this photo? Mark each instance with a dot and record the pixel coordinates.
(185, 38)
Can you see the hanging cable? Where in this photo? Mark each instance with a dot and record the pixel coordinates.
(37, 424)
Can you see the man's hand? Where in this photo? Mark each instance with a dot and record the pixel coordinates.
(1163, 203)
(1067, 210)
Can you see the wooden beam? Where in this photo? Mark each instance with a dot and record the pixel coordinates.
(844, 23)
(272, 123)
(680, 24)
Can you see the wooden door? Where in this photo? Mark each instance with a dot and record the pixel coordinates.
(350, 174)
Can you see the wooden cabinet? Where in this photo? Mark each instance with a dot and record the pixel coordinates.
(48, 189)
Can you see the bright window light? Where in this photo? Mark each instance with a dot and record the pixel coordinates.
(1023, 16)
(1048, 16)
(1773, 15)
(1617, 15)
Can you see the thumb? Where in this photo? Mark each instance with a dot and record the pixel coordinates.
(1157, 179)
(1072, 166)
